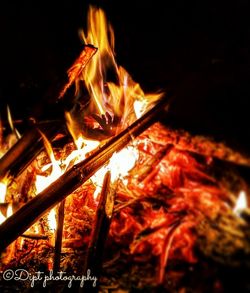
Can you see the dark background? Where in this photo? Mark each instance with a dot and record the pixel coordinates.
(199, 50)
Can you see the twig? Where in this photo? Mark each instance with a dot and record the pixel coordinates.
(93, 262)
(58, 239)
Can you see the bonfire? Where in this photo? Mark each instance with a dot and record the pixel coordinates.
(124, 200)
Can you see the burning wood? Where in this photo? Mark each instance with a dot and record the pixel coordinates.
(100, 231)
(58, 238)
(178, 210)
(72, 179)
(31, 143)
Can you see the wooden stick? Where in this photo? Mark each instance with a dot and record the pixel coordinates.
(77, 68)
(20, 221)
(93, 262)
(26, 149)
(35, 236)
(58, 239)
(31, 144)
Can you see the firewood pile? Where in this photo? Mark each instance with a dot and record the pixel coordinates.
(147, 208)
(173, 214)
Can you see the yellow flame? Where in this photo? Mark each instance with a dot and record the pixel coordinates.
(241, 202)
(2, 218)
(10, 120)
(117, 97)
(120, 96)
(98, 33)
(140, 107)
(120, 164)
(8, 214)
(84, 146)
(44, 181)
(3, 190)
(52, 220)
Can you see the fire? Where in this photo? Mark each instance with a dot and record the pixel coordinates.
(10, 120)
(169, 176)
(3, 190)
(120, 97)
(4, 145)
(52, 220)
(119, 165)
(116, 97)
(241, 203)
(44, 181)
(83, 146)
(122, 162)
(112, 98)
(8, 213)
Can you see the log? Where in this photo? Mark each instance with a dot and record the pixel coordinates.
(31, 143)
(103, 216)
(20, 221)
(58, 238)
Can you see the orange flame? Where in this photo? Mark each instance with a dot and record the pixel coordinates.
(117, 98)
(44, 181)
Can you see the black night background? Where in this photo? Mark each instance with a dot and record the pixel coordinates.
(199, 50)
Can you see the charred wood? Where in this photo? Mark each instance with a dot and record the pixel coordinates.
(19, 222)
(100, 231)
(30, 145)
(58, 238)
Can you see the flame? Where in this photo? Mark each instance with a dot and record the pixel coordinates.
(10, 120)
(84, 146)
(241, 203)
(99, 34)
(59, 167)
(120, 164)
(3, 189)
(5, 144)
(120, 97)
(2, 218)
(115, 96)
(8, 214)
(44, 181)
(52, 220)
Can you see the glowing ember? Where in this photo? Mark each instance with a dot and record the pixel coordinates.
(241, 202)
